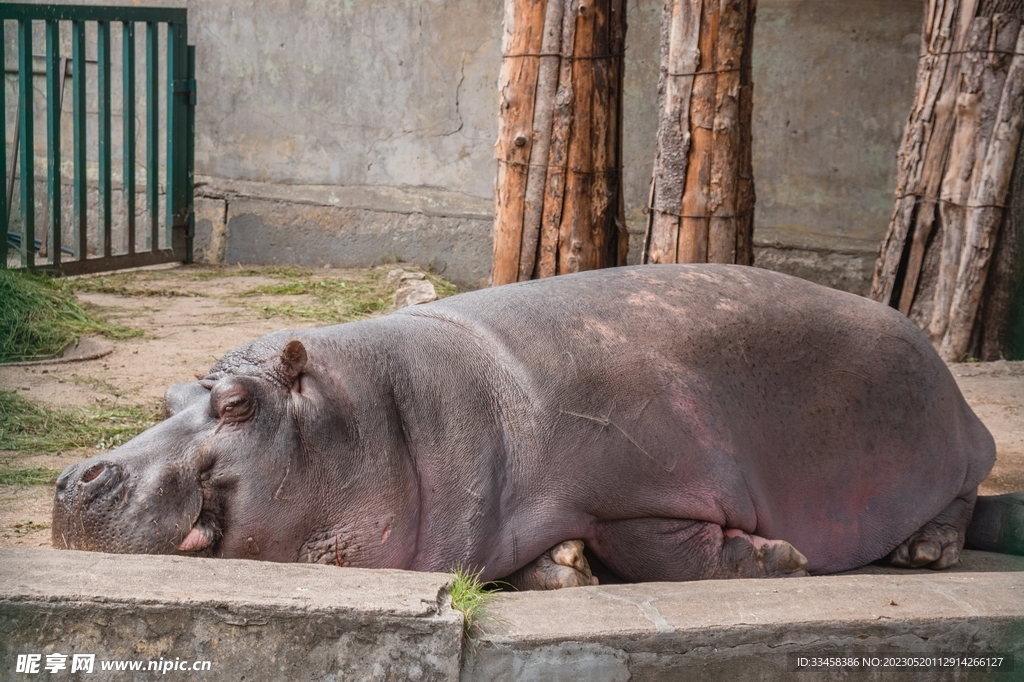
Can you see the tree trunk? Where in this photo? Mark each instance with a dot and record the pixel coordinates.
(558, 194)
(953, 180)
(702, 207)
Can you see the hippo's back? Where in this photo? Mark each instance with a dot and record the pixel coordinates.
(733, 395)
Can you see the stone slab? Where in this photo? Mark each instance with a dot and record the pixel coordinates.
(251, 620)
(264, 621)
(755, 629)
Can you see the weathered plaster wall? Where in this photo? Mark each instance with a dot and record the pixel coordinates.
(383, 98)
(348, 93)
(833, 85)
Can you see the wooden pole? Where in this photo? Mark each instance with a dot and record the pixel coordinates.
(954, 169)
(703, 192)
(985, 211)
(558, 193)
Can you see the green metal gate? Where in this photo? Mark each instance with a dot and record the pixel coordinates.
(95, 233)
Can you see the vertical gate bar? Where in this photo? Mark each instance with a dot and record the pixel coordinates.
(13, 167)
(128, 127)
(190, 164)
(4, 207)
(152, 136)
(174, 120)
(78, 103)
(28, 199)
(103, 95)
(54, 78)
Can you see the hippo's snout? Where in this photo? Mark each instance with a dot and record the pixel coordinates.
(89, 491)
(100, 504)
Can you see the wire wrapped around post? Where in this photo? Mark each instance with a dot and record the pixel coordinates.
(702, 190)
(950, 229)
(558, 192)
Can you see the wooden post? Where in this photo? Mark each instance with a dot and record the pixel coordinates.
(954, 171)
(703, 190)
(558, 193)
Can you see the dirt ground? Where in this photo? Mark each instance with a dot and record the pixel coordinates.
(184, 333)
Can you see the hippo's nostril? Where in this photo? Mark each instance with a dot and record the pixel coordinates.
(93, 472)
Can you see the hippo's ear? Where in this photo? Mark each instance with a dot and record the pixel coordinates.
(292, 362)
(180, 396)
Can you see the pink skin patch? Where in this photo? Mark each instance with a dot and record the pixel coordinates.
(197, 539)
(757, 541)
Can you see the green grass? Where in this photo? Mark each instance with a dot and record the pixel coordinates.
(470, 596)
(336, 300)
(29, 477)
(30, 429)
(333, 300)
(360, 294)
(26, 527)
(39, 316)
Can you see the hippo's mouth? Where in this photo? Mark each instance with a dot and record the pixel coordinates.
(207, 530)
(200, 537)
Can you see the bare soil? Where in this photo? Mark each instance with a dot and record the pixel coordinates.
(188, 323)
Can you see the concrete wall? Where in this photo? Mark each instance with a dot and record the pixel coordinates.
(254, 620)
(383, 99)
(833, 85)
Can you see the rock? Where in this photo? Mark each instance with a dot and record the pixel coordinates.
(414, 292)
(398, 275)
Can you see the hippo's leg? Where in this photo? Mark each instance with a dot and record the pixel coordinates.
(938, 543)
(657, 549)
(561, 566)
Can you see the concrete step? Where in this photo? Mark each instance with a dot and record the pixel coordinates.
(263, 621)
(251, 620)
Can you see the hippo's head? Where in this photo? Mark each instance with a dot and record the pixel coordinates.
(268, 457)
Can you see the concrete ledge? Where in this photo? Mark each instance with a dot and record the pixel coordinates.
(753, 629)
(251, 620)
(254, 222)
(445, 231)
(263, 621)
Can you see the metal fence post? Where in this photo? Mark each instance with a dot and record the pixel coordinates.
(27, 143)
(3, 148)
(78, 112)
(54, 81)
(128, 126)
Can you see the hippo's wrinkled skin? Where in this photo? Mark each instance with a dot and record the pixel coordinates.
(685, 422)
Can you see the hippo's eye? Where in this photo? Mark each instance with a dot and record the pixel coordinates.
(232, 403)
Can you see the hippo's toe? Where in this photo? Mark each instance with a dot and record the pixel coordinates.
(751, 556)
(938, 543)
(561, 566)
(934, 546)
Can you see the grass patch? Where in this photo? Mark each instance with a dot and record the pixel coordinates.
(29, 477)
(34, 429)
(470, 596)
(39, 316)
(355, 295)
(143, 283)
(26, 527)
(130, 285)
(335, 300)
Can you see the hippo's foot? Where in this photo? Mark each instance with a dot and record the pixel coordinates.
(751, 556)
(660, 549)
(938, 543)
(561, 566)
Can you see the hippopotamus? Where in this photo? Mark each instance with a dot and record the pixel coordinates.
(680, 422)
